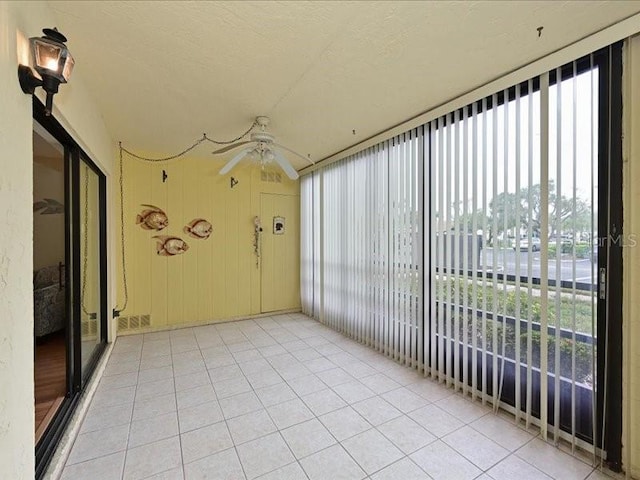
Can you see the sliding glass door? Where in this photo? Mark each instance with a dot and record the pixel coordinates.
(91, 264)
(82, 273)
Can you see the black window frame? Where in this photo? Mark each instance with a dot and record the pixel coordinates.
(608, 60)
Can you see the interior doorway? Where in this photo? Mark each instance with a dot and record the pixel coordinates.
(49, 278)
(280, 252)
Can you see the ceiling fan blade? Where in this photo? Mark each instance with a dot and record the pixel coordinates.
(234, 161)
(285, 165)
(295, 153)
(230, 147)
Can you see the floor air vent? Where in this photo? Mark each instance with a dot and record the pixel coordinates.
(88, 328)
(123, 323)
(134, 322)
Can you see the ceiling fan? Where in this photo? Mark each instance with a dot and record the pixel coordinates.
(263, 148)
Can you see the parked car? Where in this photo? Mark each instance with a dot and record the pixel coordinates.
(524, 244)
(566, 239)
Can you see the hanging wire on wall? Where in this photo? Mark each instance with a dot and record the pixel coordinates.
(204, 138)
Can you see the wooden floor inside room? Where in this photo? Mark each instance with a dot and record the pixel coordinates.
(50, 371)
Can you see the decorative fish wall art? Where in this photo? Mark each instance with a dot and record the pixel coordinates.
(48, 206)
(169, 246)
(152, 218)
(199, 228)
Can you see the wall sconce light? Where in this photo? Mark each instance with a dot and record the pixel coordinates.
(52, 60)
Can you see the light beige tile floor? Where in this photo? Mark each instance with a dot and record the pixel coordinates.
(284, 397)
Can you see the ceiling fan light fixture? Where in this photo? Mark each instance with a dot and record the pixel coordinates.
(262, 121)
(264, 149)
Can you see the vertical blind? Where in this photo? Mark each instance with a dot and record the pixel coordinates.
(465, 248)
(367, 268)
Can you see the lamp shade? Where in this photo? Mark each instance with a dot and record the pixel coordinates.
(51, 57)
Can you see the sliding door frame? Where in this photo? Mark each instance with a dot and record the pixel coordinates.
(84, 160)
(610, 243)
(74, 157)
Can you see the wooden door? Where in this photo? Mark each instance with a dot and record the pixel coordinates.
(280, 256)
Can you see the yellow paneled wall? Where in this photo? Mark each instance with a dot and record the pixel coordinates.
(216, 278)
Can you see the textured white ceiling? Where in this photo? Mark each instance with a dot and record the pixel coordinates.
(165, 72)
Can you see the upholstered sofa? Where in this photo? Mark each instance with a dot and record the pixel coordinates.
(48, 300)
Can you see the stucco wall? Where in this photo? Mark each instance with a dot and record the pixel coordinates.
(631, 257)
(76, 110)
